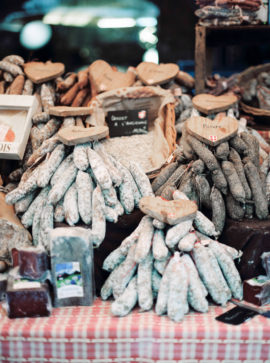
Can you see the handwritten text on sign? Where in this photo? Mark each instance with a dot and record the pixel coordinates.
(127, 122)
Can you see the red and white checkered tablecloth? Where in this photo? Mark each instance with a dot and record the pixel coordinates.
(92, 334)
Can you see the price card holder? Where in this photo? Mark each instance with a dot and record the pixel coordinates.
(127, 122)
(16, 113)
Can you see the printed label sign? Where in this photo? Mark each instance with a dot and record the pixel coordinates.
(68, 280)
(127, 122)
(26, 284)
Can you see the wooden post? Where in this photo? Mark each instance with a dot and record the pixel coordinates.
(200, 58)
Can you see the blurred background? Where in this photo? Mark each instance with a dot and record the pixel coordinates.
(122, 32)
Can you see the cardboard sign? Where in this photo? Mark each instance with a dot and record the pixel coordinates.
(74, 135)
(16, 113)
(127, 122)
(152, 73)
(212, 132)
(209, 104)
(168, 211)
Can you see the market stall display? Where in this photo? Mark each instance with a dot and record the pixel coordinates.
(148, 264)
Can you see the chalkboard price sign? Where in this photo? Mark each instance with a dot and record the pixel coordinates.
(127, 122)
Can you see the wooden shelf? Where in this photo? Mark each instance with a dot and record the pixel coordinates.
(207, 37)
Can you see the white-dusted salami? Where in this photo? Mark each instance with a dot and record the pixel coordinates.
(113, 259)
(67, 122)
(163, 292)
(158, 224)
(59, 212)
(80, 156)
(177, 299)
(46, 224)
(110, 214)
(15, 59)
(85, 190)
(126, 302)
(106, 289)
(128, 191)
(133, 237)
(124, 274)
(28, 87)
(156, 279)
(46, 97)
(204, 225)
(61, 186)
(98, 217)
(144, 283)
(201, 222)
(119, 208)
(35, 138)
(177, 232)
(50, 128)
(160, 250)
(219, 276)
(196, 290)
(22, 205)
(160, 265)
(126, 196)
(208, 274)
(187, 243)
(110, 196)
(29, 186)
(218, 210)
(144, 241)
(115, 174)
(233, 180)
(71, 205)
(27, 217)
(36, 221)
(141, 179)
(99, 169)
(16, 175)
(12, 68)
(61, 169)
(40, 117)
(229, 270)
(46, 147)
(48, 168)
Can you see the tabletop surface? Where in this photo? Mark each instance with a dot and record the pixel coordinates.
(83, 334)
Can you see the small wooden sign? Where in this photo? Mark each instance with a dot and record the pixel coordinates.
(40, 72)
(104, 78)
(65, 111)
(74, 135)
(152, 73)
(212, 132)
(168, 211)
(209, 104)
(185, 79)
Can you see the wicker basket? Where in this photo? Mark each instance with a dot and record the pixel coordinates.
(162, 119)
(243, 79)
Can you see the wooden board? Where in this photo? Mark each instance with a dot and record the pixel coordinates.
(152, 73)
(104, 78)
(168, 211)
(64, 111)
(212, 132)
(74, 135)
(185, 79)
(209, 104)
(40, 72)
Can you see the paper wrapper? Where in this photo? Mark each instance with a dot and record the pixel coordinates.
(157, 102)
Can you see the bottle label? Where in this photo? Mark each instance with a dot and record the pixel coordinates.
(69, 281)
